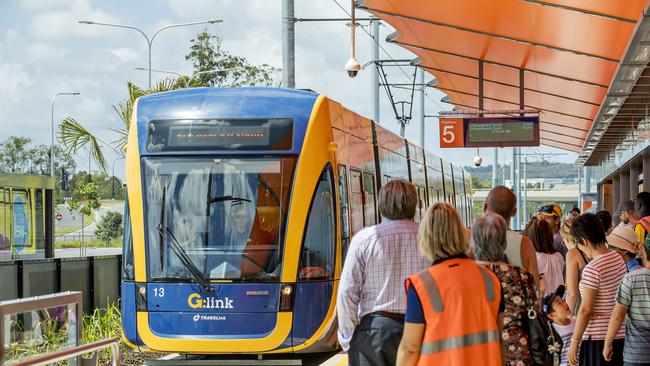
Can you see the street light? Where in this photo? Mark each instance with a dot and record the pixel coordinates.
(113, 177)
(187, 82)
(146, 37)
(52, 122)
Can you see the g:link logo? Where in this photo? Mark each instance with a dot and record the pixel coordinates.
(196, 302)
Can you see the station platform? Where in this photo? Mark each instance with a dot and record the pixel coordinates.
(324, 359)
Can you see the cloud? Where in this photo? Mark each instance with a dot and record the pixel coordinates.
(14, 77)
(44, 52)
(125, 54)
(63, 24)
(40, 5)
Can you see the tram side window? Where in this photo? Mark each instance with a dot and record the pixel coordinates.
(318, 247)
(345, 214)
(356, 200)
(127, 237)
(369, 202)
(422, 203)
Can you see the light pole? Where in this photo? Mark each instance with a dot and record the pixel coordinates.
(153, 37)
(113, 177)
(52, 122)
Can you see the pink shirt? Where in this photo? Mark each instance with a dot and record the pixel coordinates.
(552, 266)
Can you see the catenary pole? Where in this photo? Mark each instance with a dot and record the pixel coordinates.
(374, 27)
(288, 45)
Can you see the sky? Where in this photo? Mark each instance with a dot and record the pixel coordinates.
(44, 51)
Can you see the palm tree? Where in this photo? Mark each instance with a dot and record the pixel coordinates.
(74, 137)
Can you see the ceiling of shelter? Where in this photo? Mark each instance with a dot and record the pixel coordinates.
(569, 52)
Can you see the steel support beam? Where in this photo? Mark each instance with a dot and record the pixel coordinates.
(616, 190)
(497, 36)
(646, 171)
(634, 180)
(624, 182)
(499, 64)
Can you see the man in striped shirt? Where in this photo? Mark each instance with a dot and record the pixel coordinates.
(633, 300)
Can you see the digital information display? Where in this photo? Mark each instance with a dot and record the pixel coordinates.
(489, 132)
(220, 135)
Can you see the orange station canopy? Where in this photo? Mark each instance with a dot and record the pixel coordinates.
(569, 51)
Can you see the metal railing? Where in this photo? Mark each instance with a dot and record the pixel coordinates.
(67, 354)
(13, 308)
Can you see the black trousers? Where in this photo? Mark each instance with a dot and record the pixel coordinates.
(375, 342)
(591, 353)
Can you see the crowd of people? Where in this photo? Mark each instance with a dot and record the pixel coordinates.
(571, 290)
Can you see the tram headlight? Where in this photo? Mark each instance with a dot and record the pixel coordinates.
(286, 297)
(141, 297)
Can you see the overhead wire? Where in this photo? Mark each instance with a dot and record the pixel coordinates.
(386, 52)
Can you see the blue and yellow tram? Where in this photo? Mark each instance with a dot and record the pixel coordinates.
(241, 204)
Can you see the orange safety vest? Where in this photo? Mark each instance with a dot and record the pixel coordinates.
(460, 301)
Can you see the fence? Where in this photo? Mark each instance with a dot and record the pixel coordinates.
(75, 237)
(98, 278)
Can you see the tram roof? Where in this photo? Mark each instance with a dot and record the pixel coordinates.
(576, 57)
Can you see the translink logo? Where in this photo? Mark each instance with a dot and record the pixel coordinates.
(196, 302)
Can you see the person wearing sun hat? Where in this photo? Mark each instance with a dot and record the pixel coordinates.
(552, 213)
(623, 240)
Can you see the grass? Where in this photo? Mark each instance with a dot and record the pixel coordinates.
(49, 337)
(114, 243)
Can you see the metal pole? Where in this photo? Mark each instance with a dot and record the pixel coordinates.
(525, 210)
(587, 179)
(52, 173)
(518, 180)
(52, 143)
(288, 45)
(512, 181)
(374, 25)
(421, 70)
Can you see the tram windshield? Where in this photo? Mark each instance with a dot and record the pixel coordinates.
(227, 215)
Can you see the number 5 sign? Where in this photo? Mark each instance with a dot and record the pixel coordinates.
(452, 132)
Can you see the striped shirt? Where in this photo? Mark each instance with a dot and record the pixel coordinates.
(378, 262)
(565, 332)
(634, 294)
(604, 274)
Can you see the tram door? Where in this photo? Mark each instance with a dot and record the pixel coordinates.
(369, 207)
(356, 198)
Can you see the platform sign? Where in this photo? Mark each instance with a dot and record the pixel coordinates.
(489, 132)
(452, 132)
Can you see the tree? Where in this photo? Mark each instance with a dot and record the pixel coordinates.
(207, 54)
(85, 200)
(13, 154)
(109, 227)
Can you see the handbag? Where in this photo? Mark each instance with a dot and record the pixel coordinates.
(543, 341)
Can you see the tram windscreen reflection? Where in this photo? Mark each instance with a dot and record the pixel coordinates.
(227, 215)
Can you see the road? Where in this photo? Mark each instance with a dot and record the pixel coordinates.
(72, 219)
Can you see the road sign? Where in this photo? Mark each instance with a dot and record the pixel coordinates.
(58, 216)
(489, 132)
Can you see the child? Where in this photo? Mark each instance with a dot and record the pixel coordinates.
(557, 311)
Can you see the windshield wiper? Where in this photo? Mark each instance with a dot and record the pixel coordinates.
(229, 198)
(200, 278)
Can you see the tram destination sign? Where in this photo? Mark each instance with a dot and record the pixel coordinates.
(489, 132)
(220, 134)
